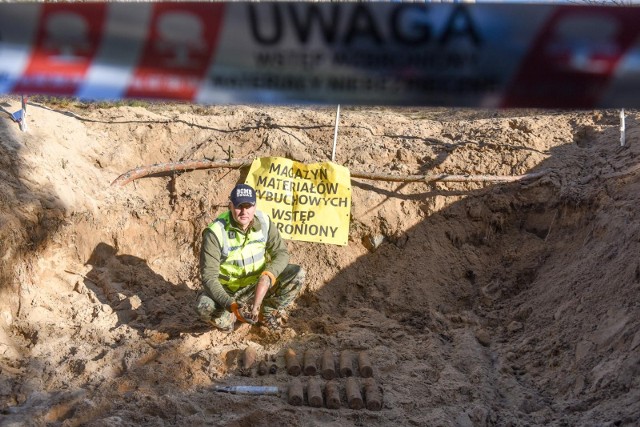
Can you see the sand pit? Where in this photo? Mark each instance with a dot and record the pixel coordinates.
(478, 303)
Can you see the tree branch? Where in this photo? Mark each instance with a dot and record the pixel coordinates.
(186, 165)
(189, 165)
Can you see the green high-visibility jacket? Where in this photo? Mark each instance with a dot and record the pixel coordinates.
(231, 259)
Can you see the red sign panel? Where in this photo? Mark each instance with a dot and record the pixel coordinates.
(67, 40)
(573, 60)
(179, 47)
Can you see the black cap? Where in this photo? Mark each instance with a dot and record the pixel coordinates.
(243, 193)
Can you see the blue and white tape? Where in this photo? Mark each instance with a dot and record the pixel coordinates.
(475, 55)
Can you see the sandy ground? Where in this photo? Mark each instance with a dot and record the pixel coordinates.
(480, 304)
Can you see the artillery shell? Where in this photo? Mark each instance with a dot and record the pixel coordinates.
(293, 366)
(364, 365)
(372, 395)
(328, 365)
(273, 367)
(346, 364)
(314, 393)
(354, 397)
(248, 359)
(262, 367)
(295, 392)
(309, 361)
(333, 395)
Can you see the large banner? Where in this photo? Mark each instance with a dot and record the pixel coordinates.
(309, 202)
(370, 53)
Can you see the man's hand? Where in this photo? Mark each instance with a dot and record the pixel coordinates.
(264, 283)
(239, 311)
(255, 312)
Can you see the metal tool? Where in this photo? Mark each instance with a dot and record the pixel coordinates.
(249, 389)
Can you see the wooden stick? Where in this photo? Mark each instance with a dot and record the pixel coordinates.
(296, 392)
(354, 397)
(333, 395)
(293, 366)
(372, 395)
(309, 361)
(346, 364)
(364, 365)
(314, 393)
(191, 165)
(328, 365)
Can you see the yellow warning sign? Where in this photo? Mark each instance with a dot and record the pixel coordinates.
(308, 202)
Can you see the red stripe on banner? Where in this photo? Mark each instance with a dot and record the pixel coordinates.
(574, 58)
(181, 42)
(67, 39)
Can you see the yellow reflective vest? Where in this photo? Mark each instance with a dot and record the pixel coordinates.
(243, 256)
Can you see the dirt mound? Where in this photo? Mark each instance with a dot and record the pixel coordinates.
(479, 303)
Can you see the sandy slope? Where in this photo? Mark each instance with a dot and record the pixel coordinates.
(510, 304)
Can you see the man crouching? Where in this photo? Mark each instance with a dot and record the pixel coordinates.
(244, 267)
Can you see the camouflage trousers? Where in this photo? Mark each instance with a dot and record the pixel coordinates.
(278, 297)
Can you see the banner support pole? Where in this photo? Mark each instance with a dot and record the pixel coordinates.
(335, 134)
(622, 128)
(23, 120)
